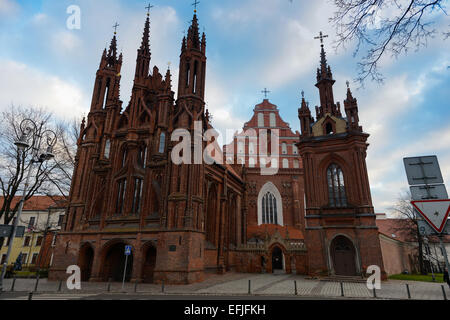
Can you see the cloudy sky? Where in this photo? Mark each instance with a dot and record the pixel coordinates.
(252, 44)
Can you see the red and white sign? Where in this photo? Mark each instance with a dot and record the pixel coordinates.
(435, 212)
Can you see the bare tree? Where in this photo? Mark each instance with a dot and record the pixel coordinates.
(385, 26)
(48, 177)
(408, 224)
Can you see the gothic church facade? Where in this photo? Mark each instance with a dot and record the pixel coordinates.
(314, 216)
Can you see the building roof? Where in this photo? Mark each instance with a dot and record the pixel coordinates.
(286, 232)
(39, 203)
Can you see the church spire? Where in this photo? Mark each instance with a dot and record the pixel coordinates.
(325, 83)
(304, 114)
(351, 110)
(193, 37)
(143, 53)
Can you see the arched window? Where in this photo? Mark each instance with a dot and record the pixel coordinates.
(262, 162)
(296, 164)
(122, 187)
(336, 186)
(284, 148)
(138, 184)
(286, 163)
(261, 119)
(273, 120)
(162, 142)
(143, 156)
(251, 162)
(294, 149)
(270, 206)
(124, 157)
(269, 209)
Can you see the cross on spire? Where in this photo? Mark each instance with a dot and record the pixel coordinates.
(148, 8)
(115, 27)
(265, 91)
(195, 5)
(303, 94)
(321, 37)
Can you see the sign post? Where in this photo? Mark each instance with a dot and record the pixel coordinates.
(430, 197)
(435, 213)
(127, 253)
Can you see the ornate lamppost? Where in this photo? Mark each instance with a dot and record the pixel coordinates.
(40, 139)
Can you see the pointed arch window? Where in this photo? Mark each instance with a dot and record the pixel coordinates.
(162, 142)
(336, 186)
(137, 197)
(107, 150)
(143, 156)
(269, 209)
(122, 187)
(124, 157)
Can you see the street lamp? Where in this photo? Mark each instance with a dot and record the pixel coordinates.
(29, 131)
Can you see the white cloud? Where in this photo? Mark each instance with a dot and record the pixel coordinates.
(64, 42)
(8, 7)
(26, 86)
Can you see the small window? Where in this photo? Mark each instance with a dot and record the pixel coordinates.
(329, 128)
(26, 242)
(60, 220)
(260, 119)
(262, 162)
(137, 195)
(24, 258)
(3, 259)
(34, 258)
(273, 120)
(143, 157)
(162, 142)
(107, 149)
(122, 186)
(31, 222)
(294, 149)
(39, 241)
(251, 162)
(286, 163)
(124, 158)
(296, 164)
(284, 148)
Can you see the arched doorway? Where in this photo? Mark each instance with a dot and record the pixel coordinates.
(85, 260)
(149, 264)
(114, 263)
(343, 255)
(277, 259)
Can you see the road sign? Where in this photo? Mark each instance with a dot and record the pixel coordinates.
(5, 231)
(429, 192)
(423, 170)
(426, 230)
(435, 212)
(128, 250)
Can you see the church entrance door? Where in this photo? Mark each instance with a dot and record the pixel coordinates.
(343, 256)
(114, 264)
(277, 259)
(149, 265)
(85, 262)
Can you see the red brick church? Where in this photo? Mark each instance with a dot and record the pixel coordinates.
(314, 216)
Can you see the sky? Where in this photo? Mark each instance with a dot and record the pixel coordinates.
(251, 45)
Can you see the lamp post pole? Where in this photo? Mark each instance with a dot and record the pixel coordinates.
(28, 128)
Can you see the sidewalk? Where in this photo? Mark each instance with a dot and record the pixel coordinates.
(260, 285)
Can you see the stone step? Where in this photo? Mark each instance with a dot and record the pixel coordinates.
(355, 279)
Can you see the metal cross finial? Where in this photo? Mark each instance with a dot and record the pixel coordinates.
(148, 8)
(168, 64)
(115, 27)
(265, 91)
(303, 94)
(348, 84)
(195, 5)
(321, 37)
